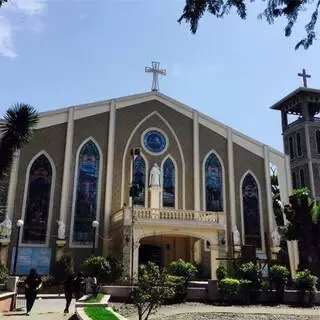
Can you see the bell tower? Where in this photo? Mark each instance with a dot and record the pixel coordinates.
(301, 135)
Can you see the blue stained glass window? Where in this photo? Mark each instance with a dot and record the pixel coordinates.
(154, 141)
(139, 181)
(213, 184)
(38, 201)
(251, 211)
(169, 184)
(87, 193)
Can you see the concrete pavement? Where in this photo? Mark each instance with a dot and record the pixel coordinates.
(44, 309)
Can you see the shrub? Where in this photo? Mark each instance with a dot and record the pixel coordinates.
(4, 273)
(221, 272)
(279, 276)
(116, 268)
(229, 288)
(305, 282)
(179, 287)
(97, 266)
(249, 271)
(151, 290)
(183, 269)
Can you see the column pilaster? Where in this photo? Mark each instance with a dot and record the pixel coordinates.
(109, 173)
(214, 254)
(65, 191)
(306, 128)
(268, 193)
(196, 162)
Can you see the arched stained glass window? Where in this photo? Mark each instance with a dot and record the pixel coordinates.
(213, 184)
(169, 184)
(251, 211)
(86, 193)
(139, 181)
(38, 201)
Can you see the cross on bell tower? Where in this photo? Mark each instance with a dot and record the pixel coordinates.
(304, 76)
(155, 70)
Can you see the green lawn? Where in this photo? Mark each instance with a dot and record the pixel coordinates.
(93, 299)
(99, 313)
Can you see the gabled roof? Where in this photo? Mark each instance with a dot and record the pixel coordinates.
(58, 116)
(301, 90)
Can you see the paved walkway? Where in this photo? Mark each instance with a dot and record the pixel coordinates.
(44, 309)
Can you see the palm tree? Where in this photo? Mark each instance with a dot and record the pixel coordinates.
(16, 130)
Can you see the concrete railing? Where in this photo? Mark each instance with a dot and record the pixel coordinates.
(207, 217)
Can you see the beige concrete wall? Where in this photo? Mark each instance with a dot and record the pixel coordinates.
(52, 140)
(97, 128)
(243, 161)
(126, 120)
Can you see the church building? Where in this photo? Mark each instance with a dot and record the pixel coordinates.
(143, 177)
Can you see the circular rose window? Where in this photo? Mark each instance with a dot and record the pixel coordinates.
(154, 141)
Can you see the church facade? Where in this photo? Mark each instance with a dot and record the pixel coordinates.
(143, 177)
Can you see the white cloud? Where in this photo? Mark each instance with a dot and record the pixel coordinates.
(15, 10)
(6, 39)
(30, 7)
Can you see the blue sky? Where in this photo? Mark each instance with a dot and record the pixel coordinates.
(56, 53)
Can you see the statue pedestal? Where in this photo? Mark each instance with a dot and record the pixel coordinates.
(275, 251)
(155, 197)
(60, 249)
(4, 248)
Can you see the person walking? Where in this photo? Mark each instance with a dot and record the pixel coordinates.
(78, 285)
(32, 284)
(68, 291)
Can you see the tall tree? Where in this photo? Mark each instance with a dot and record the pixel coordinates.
(275, 9)
(303, 225)
(15, 131)
(2, 2)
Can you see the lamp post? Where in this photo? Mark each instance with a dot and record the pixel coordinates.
(95, 225)
(133, 152)
(19, 226)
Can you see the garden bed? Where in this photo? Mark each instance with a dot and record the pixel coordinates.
(101, 300)
(98, 313)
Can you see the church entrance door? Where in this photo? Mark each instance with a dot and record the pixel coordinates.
(149, 252)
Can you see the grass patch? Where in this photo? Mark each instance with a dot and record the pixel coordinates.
(93, 299)
(99, 313)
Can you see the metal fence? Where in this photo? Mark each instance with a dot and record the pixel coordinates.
(20, 302)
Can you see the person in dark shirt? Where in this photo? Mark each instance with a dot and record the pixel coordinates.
(68, 291)
(32, 284)
(78, 285)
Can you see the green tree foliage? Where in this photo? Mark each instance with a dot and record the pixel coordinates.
(2, 2)
(221, 272)
(276, 200)
(97, 266)
(181, 268)
(303, 225)
(275, 9)
(15, 131)
(279, 276)
(305, 282)
(151, 290)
